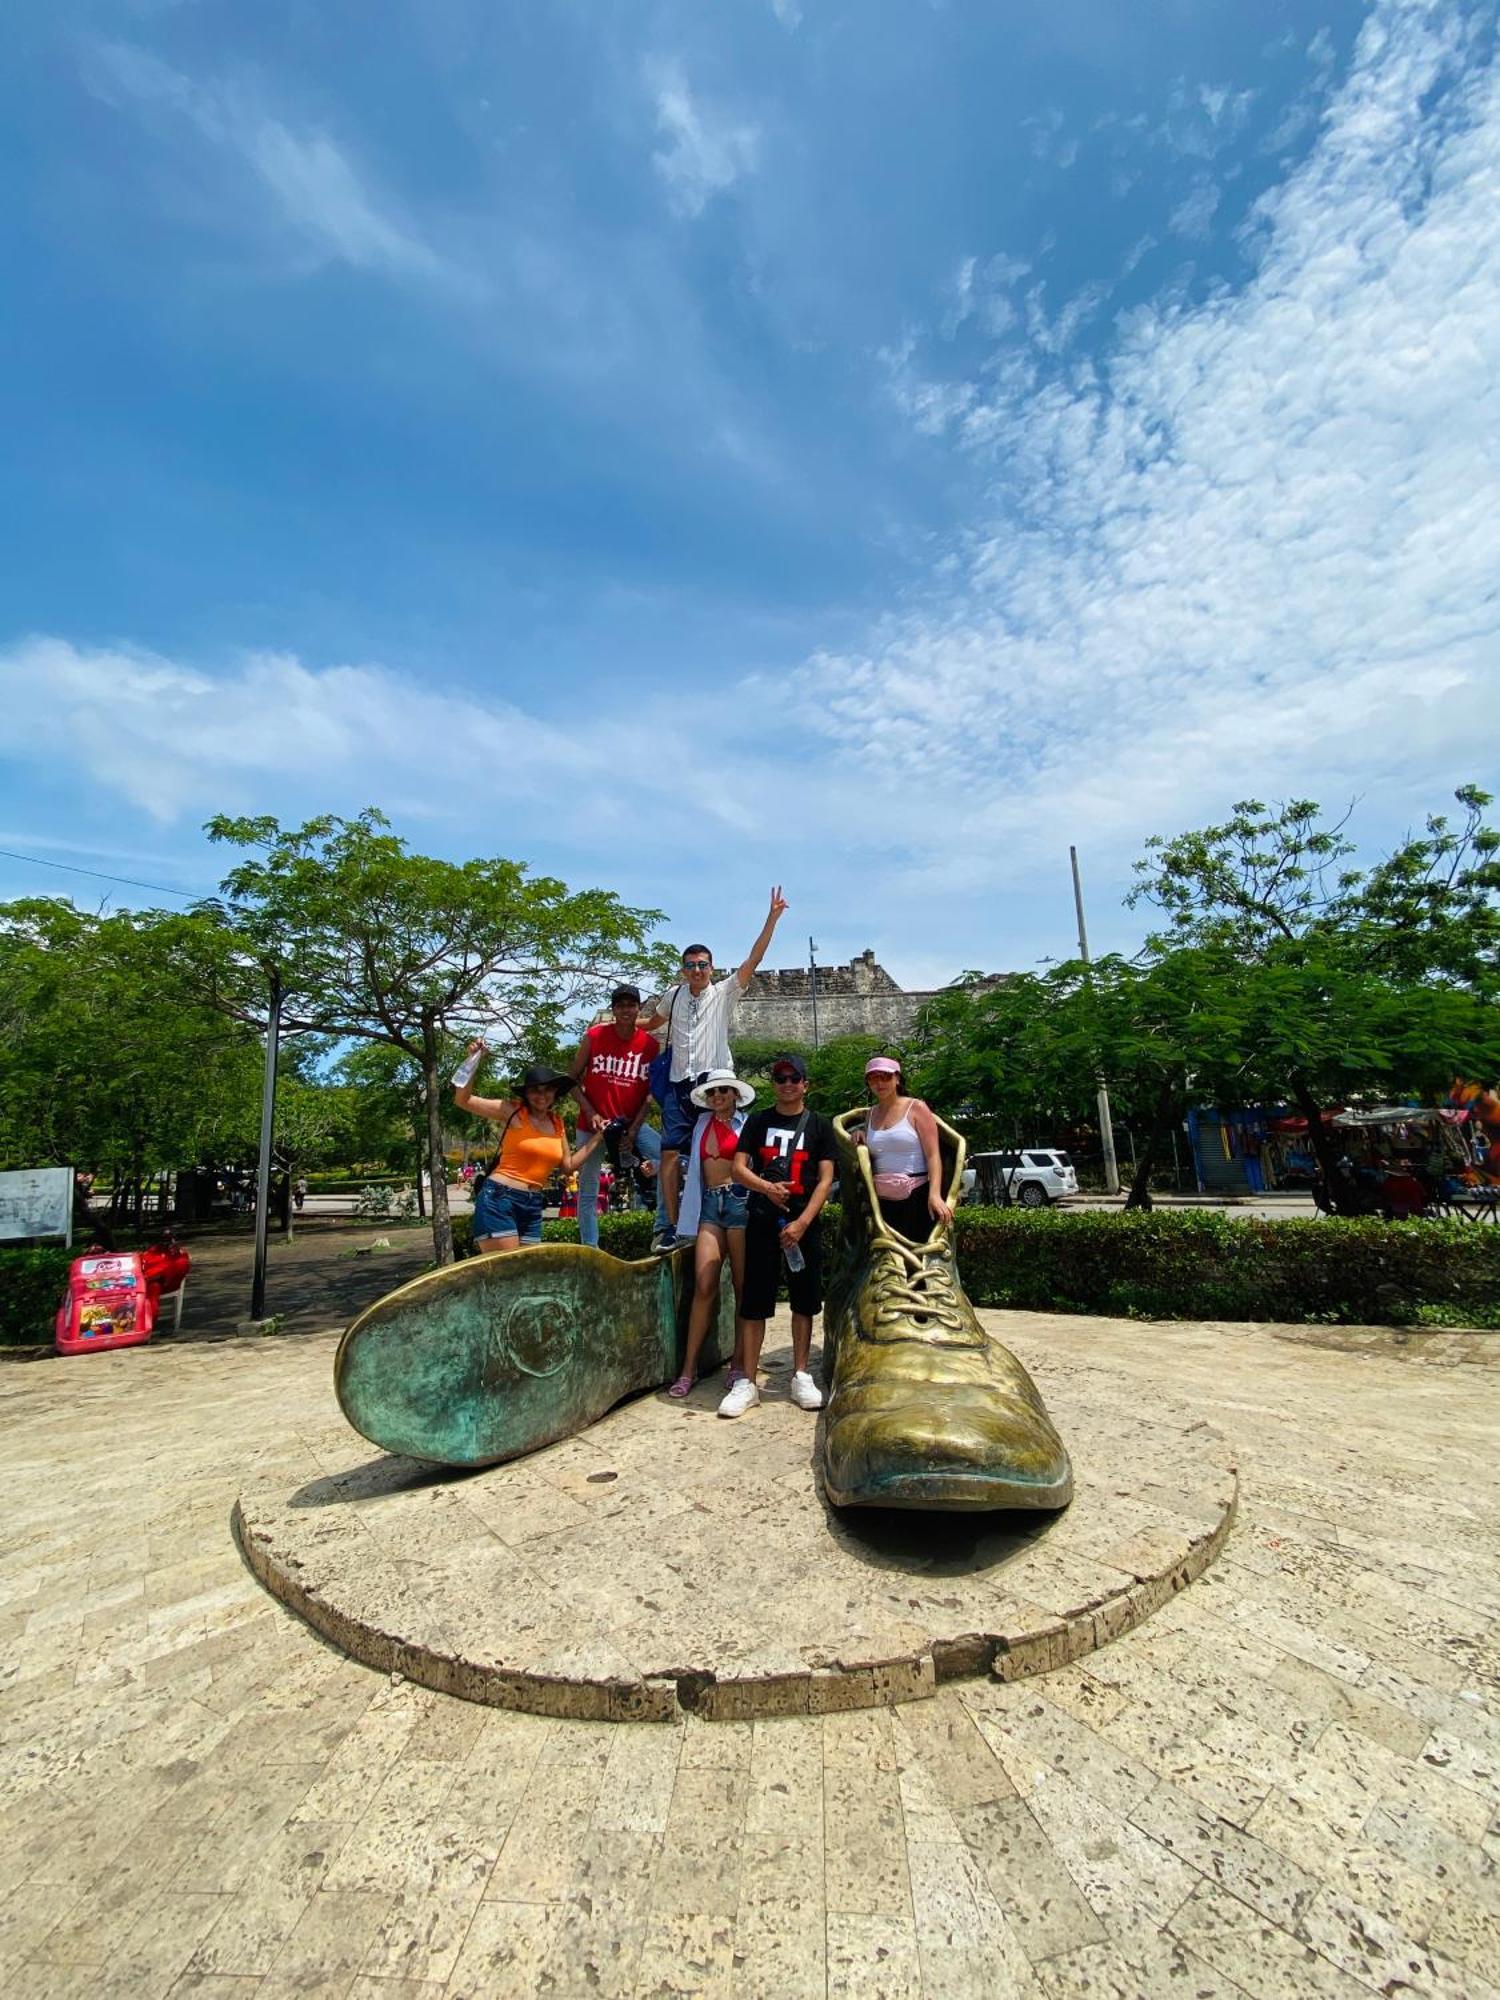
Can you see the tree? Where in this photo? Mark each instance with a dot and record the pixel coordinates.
(1352, 979)
(108, 1063)
(373, 943)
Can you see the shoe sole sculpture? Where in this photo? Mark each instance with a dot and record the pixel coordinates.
(924, 1409)
(497, 1356)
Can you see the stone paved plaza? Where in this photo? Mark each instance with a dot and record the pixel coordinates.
(1286, 1781)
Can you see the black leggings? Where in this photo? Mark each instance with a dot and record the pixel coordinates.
(910, 1216)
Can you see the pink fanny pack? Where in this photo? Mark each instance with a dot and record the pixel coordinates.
(896, 1187)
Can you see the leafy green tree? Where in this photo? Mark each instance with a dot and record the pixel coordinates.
(108, 1064)
(1350, 979)
(371, 942)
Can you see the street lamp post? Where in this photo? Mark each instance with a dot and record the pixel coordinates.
(812, 982)
(263, 1172)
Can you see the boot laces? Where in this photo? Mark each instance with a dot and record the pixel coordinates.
(910, 1284)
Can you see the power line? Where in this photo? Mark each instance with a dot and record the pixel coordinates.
(130, 881)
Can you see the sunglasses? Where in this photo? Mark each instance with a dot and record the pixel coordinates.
(721, 1090)
(696, 964)
(786, 1076)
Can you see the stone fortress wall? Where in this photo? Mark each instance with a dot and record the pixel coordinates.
(859, 998)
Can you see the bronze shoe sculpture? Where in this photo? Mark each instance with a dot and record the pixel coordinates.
(497, 1356)
(924, 1408)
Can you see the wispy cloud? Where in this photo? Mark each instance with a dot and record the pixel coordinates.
(1194, 214)
(706, 147)
(172, 737)
(313, 185)
(1255, 541)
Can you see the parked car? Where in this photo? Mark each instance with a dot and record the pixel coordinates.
(1037, 1176)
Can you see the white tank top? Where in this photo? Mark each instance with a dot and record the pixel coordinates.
(896, 1149)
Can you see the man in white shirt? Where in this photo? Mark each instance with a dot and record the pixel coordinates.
(695, 1014)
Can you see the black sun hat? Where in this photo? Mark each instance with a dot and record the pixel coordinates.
(537, 1076)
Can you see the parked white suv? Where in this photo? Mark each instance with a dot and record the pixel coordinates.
(1036, 1176)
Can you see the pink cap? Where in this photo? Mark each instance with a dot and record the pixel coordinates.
(882, 1066)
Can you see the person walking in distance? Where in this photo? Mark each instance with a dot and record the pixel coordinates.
(786, 1158)
(612, 1071)
(696, 1014)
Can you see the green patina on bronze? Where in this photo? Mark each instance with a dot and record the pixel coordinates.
(500, 1355)
(925, 1409)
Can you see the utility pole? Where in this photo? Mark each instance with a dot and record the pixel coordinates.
(263, 1175)
(1106, 1124)
(812, 981)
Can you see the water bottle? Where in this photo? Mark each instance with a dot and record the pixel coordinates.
(468, 1069)
(795, 1261)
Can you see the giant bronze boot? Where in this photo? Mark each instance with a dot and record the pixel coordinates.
(924, 1408)
(499, 1355)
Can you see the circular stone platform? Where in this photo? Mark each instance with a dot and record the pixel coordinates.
(667, 1560)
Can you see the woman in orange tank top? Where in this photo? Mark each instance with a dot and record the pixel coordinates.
(533, 1147)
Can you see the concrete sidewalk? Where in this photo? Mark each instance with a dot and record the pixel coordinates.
(1286, 1782)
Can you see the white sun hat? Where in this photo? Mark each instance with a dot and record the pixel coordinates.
(717, 1079)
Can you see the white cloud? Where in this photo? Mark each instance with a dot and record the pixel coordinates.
(172, 738)
(314, 187)
(1194, 214)
(788, 13)
(706, 148)
(1252, 546)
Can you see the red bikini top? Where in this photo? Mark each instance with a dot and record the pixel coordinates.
(725, 1137)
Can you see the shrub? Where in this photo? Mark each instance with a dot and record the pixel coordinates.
(1189, 1264)
(1197, 1264)
(32, 1283)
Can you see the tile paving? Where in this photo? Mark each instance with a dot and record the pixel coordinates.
(1286, 1781)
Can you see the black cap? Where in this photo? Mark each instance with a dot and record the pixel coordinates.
(789, 1061)
(626, 993)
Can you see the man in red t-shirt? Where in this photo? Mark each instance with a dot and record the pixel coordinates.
(612, 1070)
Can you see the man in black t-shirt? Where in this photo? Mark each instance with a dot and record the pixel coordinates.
(786, 1158)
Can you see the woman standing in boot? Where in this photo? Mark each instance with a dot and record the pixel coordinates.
(905, 1158)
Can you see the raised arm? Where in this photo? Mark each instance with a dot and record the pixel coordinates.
(758, 950)
(481, 1107)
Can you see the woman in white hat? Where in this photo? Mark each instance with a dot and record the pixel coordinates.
(713, 1208)
(905, 1160)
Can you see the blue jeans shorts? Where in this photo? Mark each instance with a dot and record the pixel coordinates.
(728, 1206)
(678, 1117)
(505, 1211)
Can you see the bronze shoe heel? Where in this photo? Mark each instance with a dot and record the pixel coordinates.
(924, 1408)
(497, 1356)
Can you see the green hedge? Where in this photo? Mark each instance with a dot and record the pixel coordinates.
(1197, 1264)
(1194, 1264)
(31, 1289)
(352, 1183)
(627, 1236)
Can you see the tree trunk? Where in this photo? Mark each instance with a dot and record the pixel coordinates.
(442, 1227)
(1161, 1126)
(284, 1204)
(421, 1198)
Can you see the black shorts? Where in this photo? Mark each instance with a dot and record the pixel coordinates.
(766, 1272)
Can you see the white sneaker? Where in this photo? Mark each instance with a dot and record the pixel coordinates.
(743, 1396)
(805, 1392)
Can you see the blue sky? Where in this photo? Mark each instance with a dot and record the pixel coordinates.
(866, 447)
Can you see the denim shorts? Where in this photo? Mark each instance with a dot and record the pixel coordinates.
(727, 1206)
(505, 1211)
(679, 1115)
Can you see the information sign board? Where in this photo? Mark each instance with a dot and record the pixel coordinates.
(36, 1201)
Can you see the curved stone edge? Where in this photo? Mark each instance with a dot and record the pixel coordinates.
(1053, 1642)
